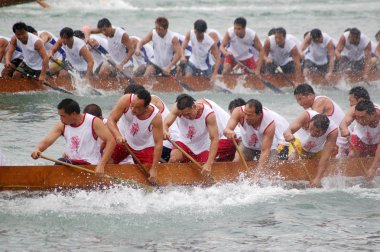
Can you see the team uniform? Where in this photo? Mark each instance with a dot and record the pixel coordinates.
(32, 61)
(280, 56)
(162, 49)
(199, 61)
(353, 55)
(139, 136)
(194, 136)
(118, 51)
(60, 55)
(317, 57)
(308, 146)
(97, 53)
(16, 59)
(82, 146)
(365, 139)
(74, 57)
(252, 138)
(241, 48)
(226, 148)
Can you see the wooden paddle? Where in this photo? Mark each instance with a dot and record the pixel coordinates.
(139, 164)
(129, 78)
(360, 161)
(265, 82)
(114, 179)
(303, 167)
(70, 71)
(240, 154)
(44, 82)
(199, 166)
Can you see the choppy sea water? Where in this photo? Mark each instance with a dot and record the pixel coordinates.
(271, 216)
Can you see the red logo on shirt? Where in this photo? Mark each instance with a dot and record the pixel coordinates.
(74, 144)
(191, 132)
(253, 140)
(134, 129)
(309, 145)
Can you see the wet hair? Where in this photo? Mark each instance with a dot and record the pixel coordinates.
(377, 34)
(104, 22)
(66, 32)
(93, 109)
(133, 88)
(315, 34)
(355, 32)
(282, 31)
(200, 25)
(162, 22)
(184, 101)
(303, 89)
(144, 94)
(255, 103)
(19, 26)
(359, 92)
(365, 105)
(236, 103)
(69, 106)
(78, 34)
(241, 21)
(30, 29)
(271, 31)
(321, 121)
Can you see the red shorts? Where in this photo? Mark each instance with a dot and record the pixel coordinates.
(201, 157)
(250, 63)
(120, 153)
(362, 149)
(226, 150)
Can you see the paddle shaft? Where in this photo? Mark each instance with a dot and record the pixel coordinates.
(303, 167)
(93, 172)
(44, 82)
(139, 164)
(199, 166)
(265, 82)
(240, 154)
(286, 78)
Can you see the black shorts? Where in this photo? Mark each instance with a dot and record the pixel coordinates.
(314, 67)
(27, 71)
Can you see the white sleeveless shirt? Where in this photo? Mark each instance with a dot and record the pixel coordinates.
(314, 144)
(318, 52)
(146, 53)
(17, 54)
(81, 141)
(222, 118)
(194, 133)
(355, 52)
(367, 134)
(162, 48)
(73, 54)
(200, 51)
(139, 133)
(31, 57)
(240, 47)
(252, 138)
(280, 56)
(116, 47)
(60, 54)
(102, 48)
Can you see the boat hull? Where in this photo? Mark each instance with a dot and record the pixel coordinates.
(62, 177)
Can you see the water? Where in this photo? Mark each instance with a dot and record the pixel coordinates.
(273, 216)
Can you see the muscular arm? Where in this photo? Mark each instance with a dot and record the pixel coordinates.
(305, 44)
(346, 122)
(40, 48)
(267, 144)
(323, 106)
(326, 153)
(121, 106)
(264, 55)
(223, 45)
(169, 120)
(259, 48)
(86, 54)
(297, 61)
(158, 137)
(375, 164)
(109, 142)
(177, 53)
(215, 53)
(367, 58)
(3, 47)
(301, 121)
(48, 140)
(232, 123)
(331, 53)
(131, 50)
(55, 47)
(184, 45)
(340, 46)
(11, 49)
(214, 137)
(145, 40)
